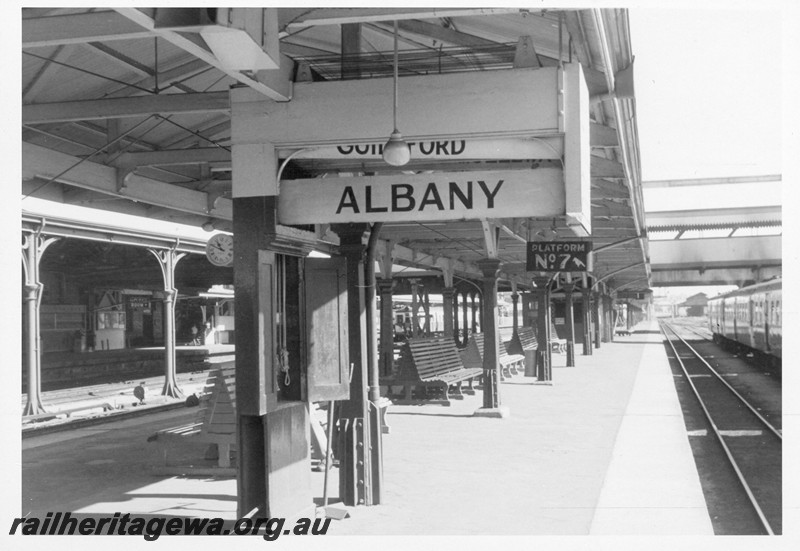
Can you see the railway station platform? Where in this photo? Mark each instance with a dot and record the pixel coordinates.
(601, 451)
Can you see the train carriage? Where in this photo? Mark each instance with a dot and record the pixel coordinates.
(749, 317)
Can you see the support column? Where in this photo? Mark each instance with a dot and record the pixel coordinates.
(526, 309)
(598, 305)
(414, 307)
(426, 308)
(448, 294)
(167, 261)
(386, 355)
(33, 247)
(464, 316)
(543, 355)
(490, 267)
(612, 322)
(515, 308)
(360, 470)
(587, 320)
(569, 287)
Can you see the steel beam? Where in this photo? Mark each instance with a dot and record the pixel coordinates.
(139, 106)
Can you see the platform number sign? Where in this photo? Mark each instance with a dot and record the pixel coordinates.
(558, 256)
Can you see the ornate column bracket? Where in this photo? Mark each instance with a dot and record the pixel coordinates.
(167, 260)
(33, 247)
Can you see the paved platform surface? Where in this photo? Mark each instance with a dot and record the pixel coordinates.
(603, 450)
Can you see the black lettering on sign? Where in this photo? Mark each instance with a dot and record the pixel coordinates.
(453, 150)
(490, 195)
(345, 149)
(408, 196)
(431, 197)
(370, 208)
(466, 200)
(348, 200)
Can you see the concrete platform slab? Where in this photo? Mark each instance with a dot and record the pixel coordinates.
(585, 455)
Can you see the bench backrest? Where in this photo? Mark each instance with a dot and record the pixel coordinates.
(523, 340)
(426, 357)
(475, 348)
(218, 405)
(472, 355)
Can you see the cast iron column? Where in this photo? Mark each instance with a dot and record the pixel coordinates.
(568, 289)
(167, 260)
(597, 312)
(447, 314)
(515, 311)
(543, 358)
(526, 309)
(465, 316)
(33, 246)
(587, 321)
(387, 327)
(491, 365)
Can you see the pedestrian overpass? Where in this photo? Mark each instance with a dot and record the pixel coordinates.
(714, 246)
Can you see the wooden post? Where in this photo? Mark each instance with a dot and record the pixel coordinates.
(355, 424)
(587, 320)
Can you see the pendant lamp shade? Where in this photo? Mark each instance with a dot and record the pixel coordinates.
(396, 151)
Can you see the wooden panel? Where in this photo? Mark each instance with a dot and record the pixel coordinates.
(266, 328)
(286, 438)
(518, 102)
(326, 329)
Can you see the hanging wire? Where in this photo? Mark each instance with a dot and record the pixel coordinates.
(98, 75)
(394, 110)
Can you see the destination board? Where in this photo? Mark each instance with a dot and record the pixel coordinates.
(558, 256)
(471, 195)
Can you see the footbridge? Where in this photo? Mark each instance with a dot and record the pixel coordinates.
(715, 246)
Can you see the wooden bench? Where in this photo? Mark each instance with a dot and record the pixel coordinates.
(557, 345)
(432, 362)
(510, 364)
(214, 424)
(524, 342)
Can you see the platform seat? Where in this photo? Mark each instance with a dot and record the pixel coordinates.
(510, 364)
(557, 345)
(214, 424)
(432, 363)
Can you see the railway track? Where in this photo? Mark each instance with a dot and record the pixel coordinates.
(749, 444)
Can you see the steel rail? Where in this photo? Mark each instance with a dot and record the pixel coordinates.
(766, 423)
(753, 501)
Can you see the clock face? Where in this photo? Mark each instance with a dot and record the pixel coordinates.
(219, 249)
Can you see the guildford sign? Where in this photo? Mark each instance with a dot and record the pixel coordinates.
(423, 197)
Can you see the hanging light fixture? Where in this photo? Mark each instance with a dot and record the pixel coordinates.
(396, 151)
